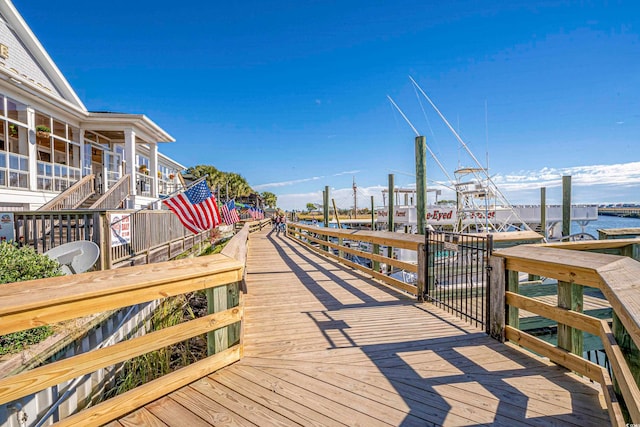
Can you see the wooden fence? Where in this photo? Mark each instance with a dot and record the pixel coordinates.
(49, 301)
(367, 251)
(124, 237)
(612, 270)
(606, 265)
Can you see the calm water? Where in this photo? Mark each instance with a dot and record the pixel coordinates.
(606, 222)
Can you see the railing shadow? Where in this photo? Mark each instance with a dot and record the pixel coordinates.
(460, 355)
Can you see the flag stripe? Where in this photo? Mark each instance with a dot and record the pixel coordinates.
(229, 213)
(196, 208)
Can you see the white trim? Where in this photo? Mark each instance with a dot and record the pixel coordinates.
(18, 24)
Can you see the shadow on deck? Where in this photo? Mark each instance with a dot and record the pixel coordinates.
(326, 345)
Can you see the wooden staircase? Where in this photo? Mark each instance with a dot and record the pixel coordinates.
(82, 195)
(73, 196)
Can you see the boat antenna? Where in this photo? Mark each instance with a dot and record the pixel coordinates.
(495, 188)
(418, 134)
(446, 122)
(486, 130)
(403, 116)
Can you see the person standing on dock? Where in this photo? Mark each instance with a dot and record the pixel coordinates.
(277, 223)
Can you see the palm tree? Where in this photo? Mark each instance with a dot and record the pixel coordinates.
(269, 198)
(226, 185)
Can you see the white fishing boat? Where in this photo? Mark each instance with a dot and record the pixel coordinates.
(479, 206)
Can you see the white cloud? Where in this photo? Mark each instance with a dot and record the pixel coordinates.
(285, 183)
(590, 184)
(298, 181)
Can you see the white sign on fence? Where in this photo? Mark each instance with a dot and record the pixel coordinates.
(120, 229)
(6, 227)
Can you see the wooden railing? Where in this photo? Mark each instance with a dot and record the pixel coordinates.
(147, 236)
(343, 245)
(115, 195)
(73, 196)
(610, 270)
(44, 230)
(254, 225)
(48, 301)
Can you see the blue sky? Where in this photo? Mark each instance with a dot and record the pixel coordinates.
(293, 94)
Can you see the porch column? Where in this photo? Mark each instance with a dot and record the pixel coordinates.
(153, 160)
(32, 149)
(130, 162)
(83, 154)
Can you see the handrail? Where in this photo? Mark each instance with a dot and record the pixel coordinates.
(115, 195)
(73, 196)
(616, 276)
(306, 235)
(46, 301)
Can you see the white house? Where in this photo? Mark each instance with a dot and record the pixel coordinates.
(35, 165)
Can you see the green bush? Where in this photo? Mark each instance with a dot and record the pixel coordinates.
(17, 265)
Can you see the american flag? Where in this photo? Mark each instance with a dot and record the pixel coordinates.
(229, 213)
(256, 213)
(196, 208)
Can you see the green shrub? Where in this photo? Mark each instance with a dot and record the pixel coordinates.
(17, 265)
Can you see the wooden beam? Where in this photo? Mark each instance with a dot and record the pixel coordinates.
(555, 354)
(623, 375)
(15, 318)
(571, 318)
(34, 380)
(118, 406)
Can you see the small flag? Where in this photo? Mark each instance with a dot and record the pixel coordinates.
(196, 208)
(229, 213)
(256, 213)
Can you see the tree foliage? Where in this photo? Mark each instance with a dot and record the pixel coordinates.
(226, 185)
(269, 198)
(311, 206)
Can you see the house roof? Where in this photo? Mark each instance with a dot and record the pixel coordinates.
(28, 63)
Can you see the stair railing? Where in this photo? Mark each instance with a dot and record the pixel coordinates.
(73, 196)
(116, 194)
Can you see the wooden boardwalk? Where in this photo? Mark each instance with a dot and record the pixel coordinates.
(326, 346)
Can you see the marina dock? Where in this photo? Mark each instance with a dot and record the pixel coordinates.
(326, 345)
(301, 335)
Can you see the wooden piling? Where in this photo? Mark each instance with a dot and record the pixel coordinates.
(566, 205)
(421, 183)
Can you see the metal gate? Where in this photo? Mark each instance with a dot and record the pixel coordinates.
(458, 274)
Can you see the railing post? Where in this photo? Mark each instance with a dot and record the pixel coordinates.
(570, 297)
(629, 350)
(496, 298)
(430, 259)
(631, 251)
(513, 285)
(101, 234)
(422, 269)
(217, 340)
(233, 300)
(376, 250)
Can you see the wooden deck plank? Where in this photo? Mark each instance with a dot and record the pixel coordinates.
(173, 414)
(141, 417)
(275, 396)
(324, 345)
(208, 409)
